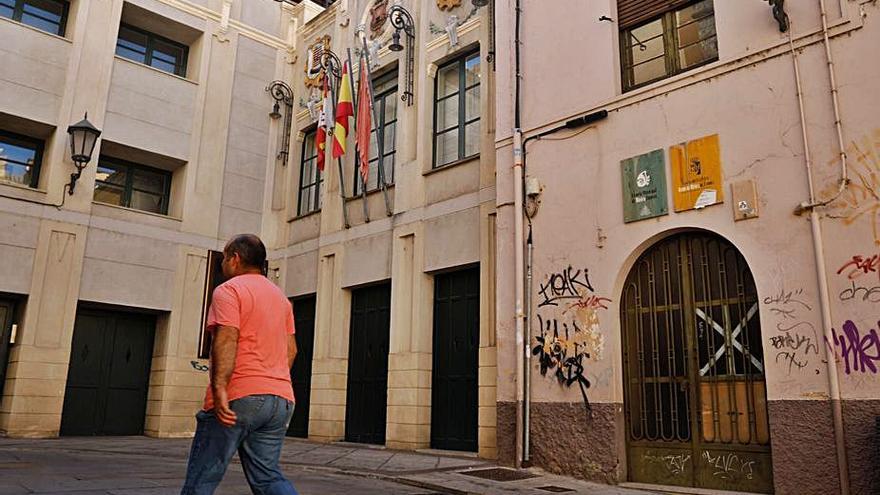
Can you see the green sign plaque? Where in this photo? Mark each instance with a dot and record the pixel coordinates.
(644, 186)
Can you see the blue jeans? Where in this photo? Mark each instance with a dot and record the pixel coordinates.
(258, 435)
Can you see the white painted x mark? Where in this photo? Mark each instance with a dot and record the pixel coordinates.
(736, 344)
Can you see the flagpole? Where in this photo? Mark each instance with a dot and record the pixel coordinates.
(333, 62)
(356, 154)
(380, 131)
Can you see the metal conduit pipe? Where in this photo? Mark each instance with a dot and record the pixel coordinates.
(818, 246)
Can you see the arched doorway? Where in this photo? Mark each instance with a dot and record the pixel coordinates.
(695, 394)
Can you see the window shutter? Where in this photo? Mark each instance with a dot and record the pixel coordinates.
(633, 12)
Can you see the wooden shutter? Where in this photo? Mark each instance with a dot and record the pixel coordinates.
(633, 12)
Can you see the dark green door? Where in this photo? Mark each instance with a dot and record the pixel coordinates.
(368, 365)
(7, 309)
(109, 373)
(455, 357)
(301, 372)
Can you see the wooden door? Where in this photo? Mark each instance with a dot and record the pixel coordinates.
(301, 372)
(109, 374)
(455, 357)
(367, 394)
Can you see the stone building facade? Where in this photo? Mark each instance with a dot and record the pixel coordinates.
(102, 296)
(703, 242)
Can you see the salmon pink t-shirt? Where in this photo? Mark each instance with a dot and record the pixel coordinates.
(264, 319)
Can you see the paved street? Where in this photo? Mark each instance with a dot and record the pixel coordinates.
(146, 466)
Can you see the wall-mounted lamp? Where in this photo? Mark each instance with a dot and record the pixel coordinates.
(275, 114)
(282, 93)
(779, 14)
(403, 21)
(83, 137)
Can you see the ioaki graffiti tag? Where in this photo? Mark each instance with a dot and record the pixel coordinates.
(675, 464)
(860, 265)
(729, 466)
(566, 284)
(858, 352)
(860, 293)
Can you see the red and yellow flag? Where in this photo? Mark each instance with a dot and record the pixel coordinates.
(344, 113)
(324, 119)
(364, 124)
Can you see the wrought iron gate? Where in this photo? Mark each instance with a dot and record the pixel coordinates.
(695, 395)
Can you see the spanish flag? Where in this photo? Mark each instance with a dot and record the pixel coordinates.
(325, 121)
(344, 112)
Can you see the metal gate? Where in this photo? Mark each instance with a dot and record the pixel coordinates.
(454, 403)
(367, 394)
(301, 372)
(695, 395)
(109, 373)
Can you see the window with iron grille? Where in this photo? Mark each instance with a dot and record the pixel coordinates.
(151, 49)
(46, 15)
(385, 103)
(673, 41)
(310, 177)
(457, 110)
(20, 159)
(123, 183)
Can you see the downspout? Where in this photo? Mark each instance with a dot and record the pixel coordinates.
(818, 245)
(521, 344)
(527, 379)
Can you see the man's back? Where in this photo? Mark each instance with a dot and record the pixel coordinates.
(264, 319)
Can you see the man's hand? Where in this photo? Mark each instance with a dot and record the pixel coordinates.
(224, 414)
(223, 351)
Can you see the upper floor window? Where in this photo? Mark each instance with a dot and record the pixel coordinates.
(671, 42)
(20, 159)
(122, 183)
(385, 103)
(309, 177)
(47, 15)
(457, 110)
(151, 49)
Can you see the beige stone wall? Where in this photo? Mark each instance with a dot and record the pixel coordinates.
(210, 128)
(440, 220)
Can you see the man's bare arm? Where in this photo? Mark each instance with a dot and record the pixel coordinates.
(291, 350)
(223, 351)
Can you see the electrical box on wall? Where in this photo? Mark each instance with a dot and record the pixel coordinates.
(745, 199)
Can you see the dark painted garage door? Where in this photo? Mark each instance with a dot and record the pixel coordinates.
(109, 373)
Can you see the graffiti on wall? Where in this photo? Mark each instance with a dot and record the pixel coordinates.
(729, 466)
(796, 340)
(858, 352)
(569, 336)
(675, 464)
(860, 201)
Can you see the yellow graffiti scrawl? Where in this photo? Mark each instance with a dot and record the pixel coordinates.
(861, 199)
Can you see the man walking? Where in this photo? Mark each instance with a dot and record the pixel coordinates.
(249, 403)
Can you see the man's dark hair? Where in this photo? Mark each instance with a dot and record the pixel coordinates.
(249, 248)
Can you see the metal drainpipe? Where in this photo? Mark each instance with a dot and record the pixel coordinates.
(527, 378)
(519, 291)
(818, 246)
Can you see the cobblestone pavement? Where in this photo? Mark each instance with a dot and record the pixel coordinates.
(148, 466)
